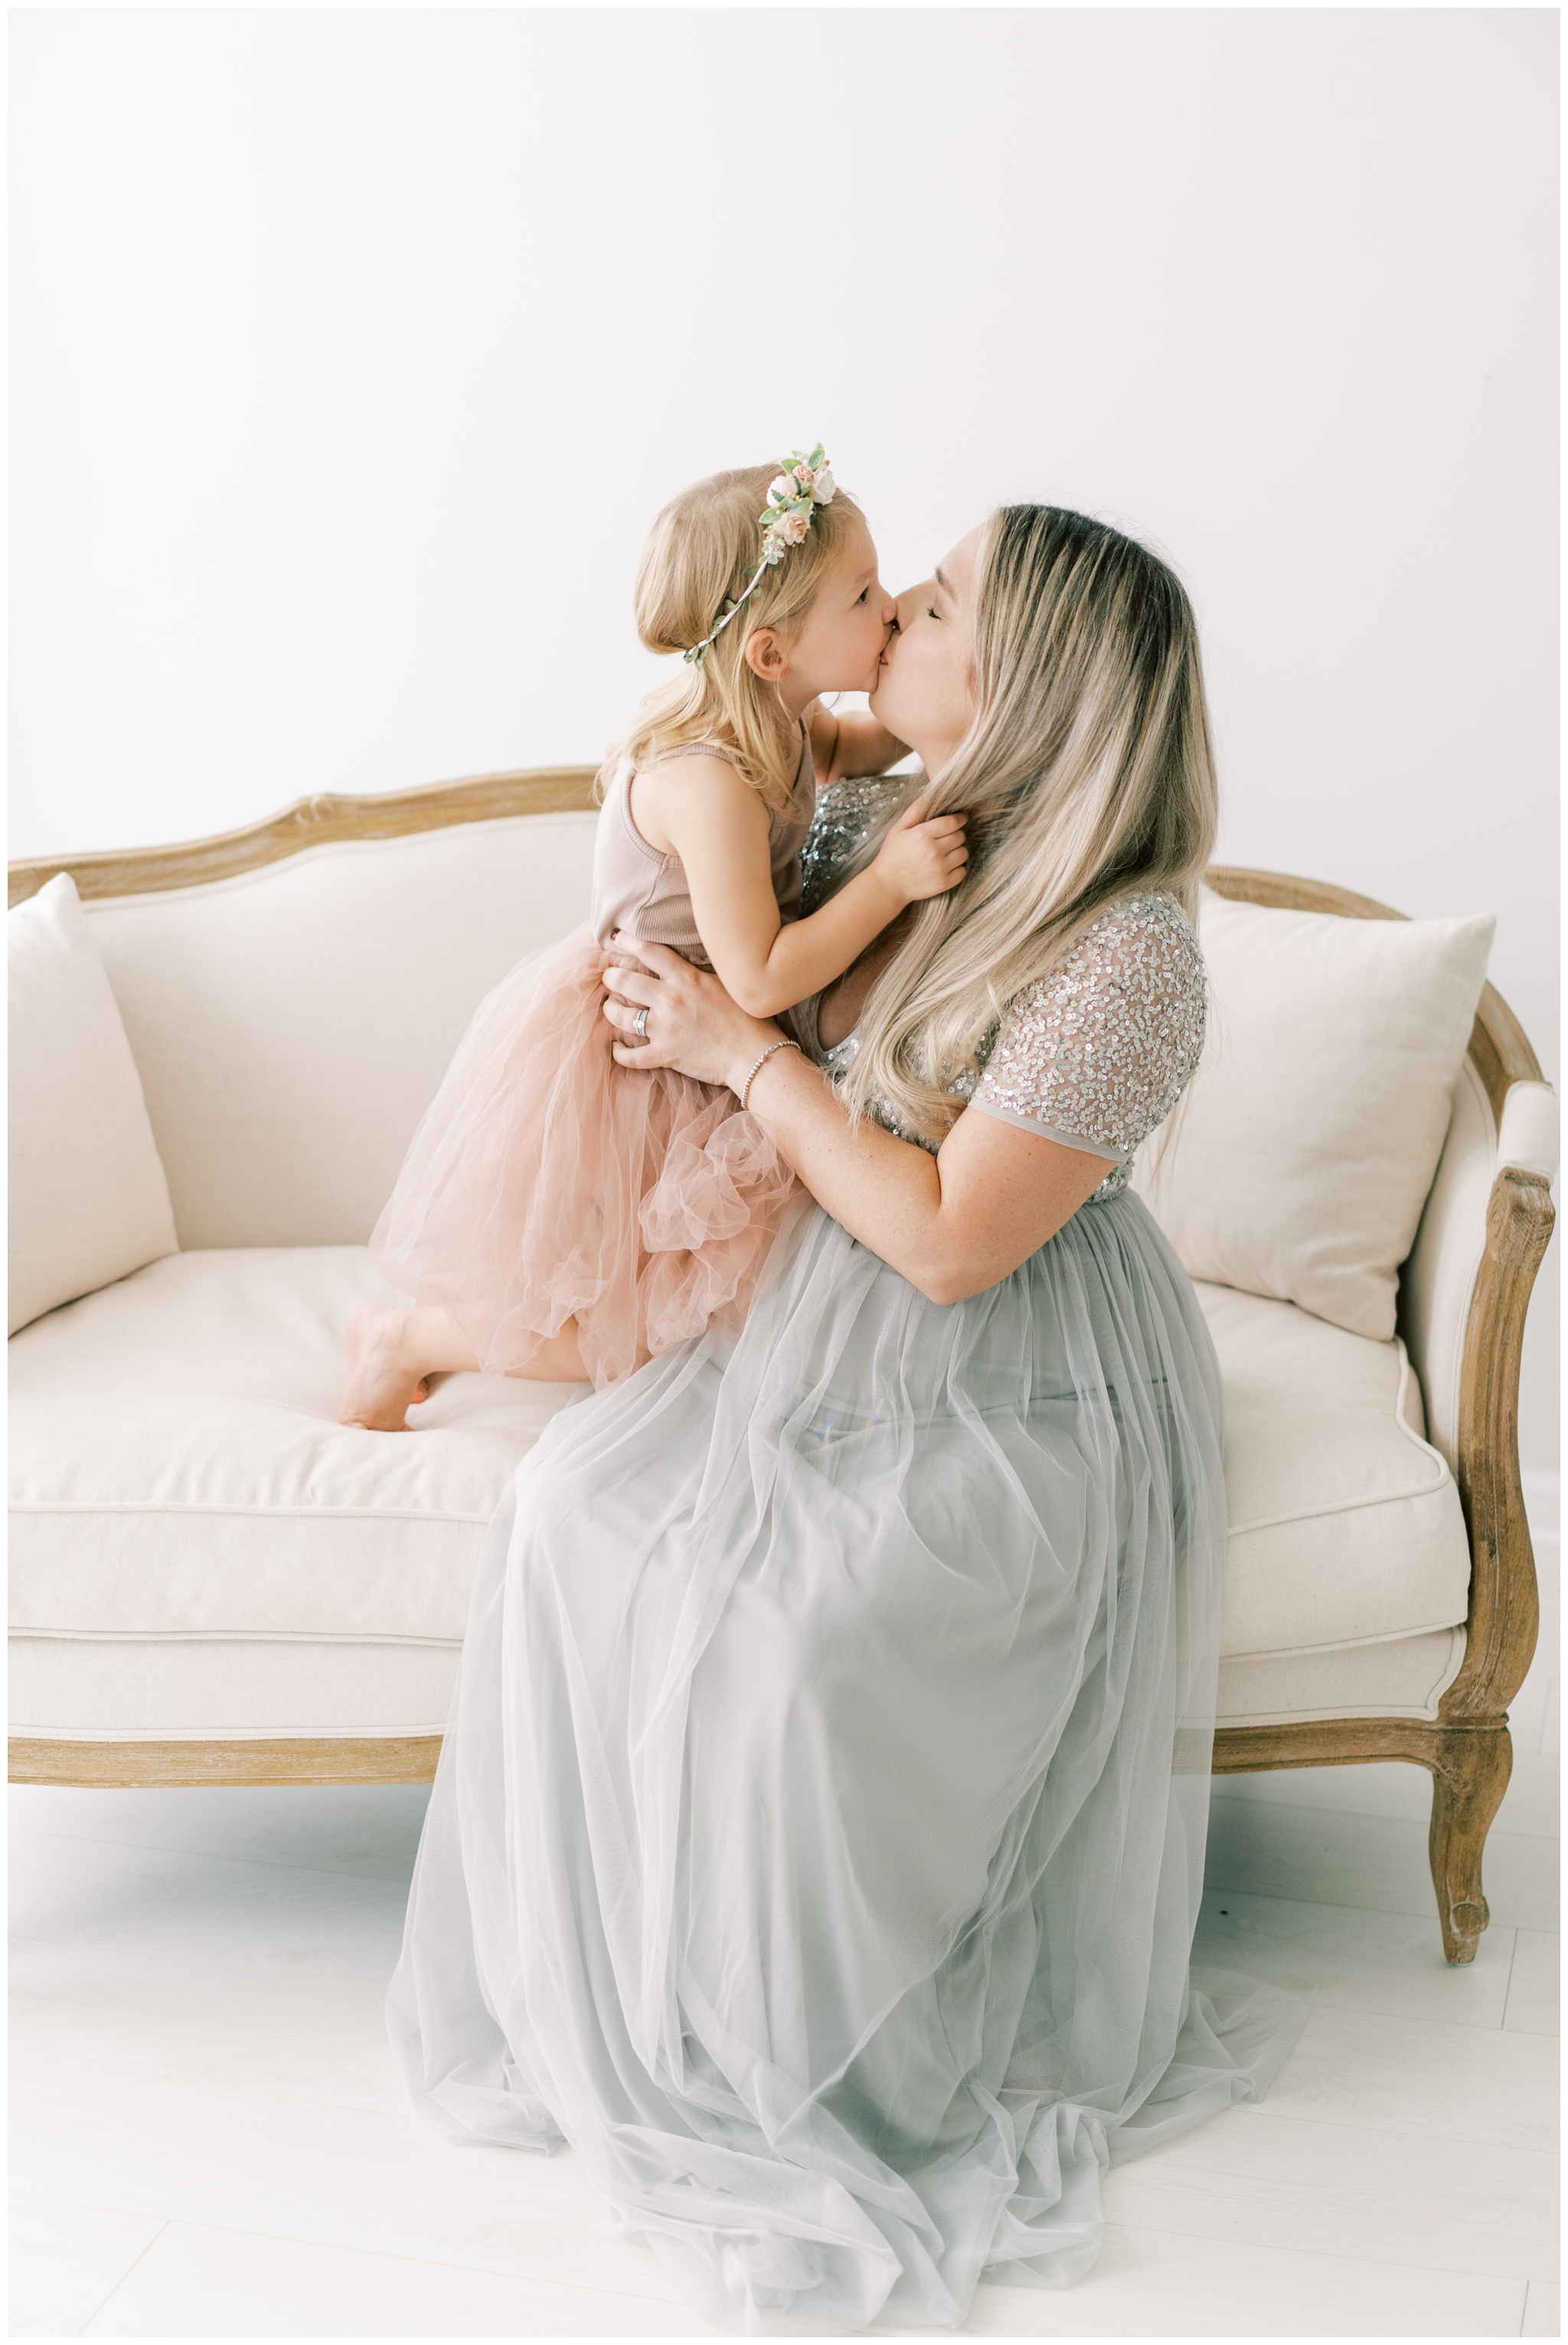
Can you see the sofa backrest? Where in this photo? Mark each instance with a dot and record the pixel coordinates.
(291, 1024)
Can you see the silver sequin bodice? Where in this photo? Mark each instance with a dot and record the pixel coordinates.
(1095, 1055)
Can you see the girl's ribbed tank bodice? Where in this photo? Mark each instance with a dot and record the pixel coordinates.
(645, 893)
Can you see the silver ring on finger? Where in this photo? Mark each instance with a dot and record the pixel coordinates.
(639, 1024)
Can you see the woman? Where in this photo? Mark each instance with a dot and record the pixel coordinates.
(818, 1837)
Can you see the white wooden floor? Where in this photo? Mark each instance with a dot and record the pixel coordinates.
(209, 2139)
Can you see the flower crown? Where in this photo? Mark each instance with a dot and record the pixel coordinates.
(803, 482)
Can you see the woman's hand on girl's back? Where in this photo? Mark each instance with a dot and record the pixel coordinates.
(693, 1025)
(953, 1224)
(919, 858)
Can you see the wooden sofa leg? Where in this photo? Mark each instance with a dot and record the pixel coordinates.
(1470, 1771)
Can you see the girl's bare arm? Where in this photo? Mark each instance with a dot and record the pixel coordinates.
(852, 743)
(700, 809)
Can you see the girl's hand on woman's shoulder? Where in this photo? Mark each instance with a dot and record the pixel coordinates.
(692, 1023)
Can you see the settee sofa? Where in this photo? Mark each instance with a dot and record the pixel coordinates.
(215, 1582)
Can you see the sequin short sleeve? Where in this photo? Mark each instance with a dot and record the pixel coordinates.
(1097, 1053)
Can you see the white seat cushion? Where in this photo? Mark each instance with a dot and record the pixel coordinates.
(1348, 1578)
(199, 1548)
(1345, 1524)
(179, 1470)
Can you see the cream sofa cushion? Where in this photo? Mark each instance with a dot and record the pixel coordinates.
(178, 1467)
(1345, 1523)
(199, 1548)
(88, 1198)
(1299, 1162)
(1398, 1676)
(232, 1688)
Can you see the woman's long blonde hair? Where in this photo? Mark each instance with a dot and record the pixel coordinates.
(1088, 772)
(702, 550)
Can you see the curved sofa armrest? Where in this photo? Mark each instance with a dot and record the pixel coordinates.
(1503, 1605)
(1529, 1137)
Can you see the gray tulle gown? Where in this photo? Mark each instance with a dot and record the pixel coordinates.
(818, 1837)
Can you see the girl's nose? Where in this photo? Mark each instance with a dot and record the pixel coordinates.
(911, 595)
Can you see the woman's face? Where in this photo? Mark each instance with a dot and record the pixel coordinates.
(925, 691)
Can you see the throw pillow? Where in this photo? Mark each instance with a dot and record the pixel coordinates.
(89, 1199)
(1299, 1161)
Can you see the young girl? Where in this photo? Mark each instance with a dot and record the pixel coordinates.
(560, 1216)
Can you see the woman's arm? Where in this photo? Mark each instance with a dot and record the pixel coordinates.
(718, 826)
(952, 1225)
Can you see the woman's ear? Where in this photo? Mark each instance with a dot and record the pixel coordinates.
(765, 655)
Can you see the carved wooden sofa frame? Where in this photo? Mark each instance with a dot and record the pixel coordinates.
(1466, 1748)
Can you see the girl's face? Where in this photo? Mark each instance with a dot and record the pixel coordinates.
(925, 691)
(851, 618)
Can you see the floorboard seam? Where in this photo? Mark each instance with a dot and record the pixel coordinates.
(1508, 1988)
(398, 2114)
(123, 2277)
(1340, 2255)
(1410, 2019)
(23, 2058)
(1242, 1888)
(1455, 2142)
(389, 2256)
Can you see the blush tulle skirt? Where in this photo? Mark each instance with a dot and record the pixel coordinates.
(547, 1185)
(818, 1835)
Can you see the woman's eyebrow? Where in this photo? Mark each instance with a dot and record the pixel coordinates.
(943, 582)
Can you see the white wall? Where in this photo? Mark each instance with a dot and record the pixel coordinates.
(354, 349)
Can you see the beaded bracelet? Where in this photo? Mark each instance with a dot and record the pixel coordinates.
(752, 1072)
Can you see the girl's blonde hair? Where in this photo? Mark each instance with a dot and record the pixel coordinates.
(704, 548)
(1088, 772)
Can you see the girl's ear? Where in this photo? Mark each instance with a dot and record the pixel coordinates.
(765, 655)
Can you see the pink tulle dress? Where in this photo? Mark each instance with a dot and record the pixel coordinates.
(546, 1183)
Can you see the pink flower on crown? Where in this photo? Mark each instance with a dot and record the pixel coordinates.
(802, 475)
(783, 489)
(790, 528)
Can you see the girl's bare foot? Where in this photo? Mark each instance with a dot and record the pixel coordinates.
(385, 1378)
